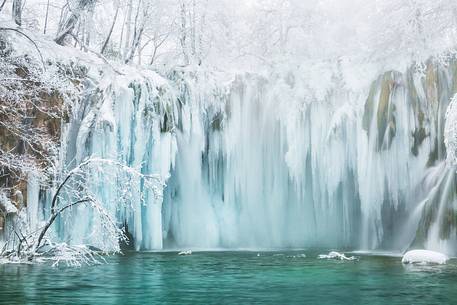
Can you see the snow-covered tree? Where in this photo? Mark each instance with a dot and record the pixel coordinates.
(72, 16)
(76, 189)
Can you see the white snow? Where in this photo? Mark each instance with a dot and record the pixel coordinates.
(6, 205)
(424, 257)
(336, 255)
(186, 252)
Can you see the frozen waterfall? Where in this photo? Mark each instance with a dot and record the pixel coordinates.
(262, 163)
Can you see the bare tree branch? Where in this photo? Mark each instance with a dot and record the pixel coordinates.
(53, 218)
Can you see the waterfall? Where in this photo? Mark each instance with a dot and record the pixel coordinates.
(259, 162)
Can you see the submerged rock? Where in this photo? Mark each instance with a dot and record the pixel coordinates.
(424, 257)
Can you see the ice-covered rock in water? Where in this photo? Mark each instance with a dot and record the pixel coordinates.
(336, 255)
(186, 252)
(424, 257)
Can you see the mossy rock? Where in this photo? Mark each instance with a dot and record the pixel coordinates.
(369, 107)
(431, 80)
(419, 134)
(217, 122)
(385, 116)
(379, 103)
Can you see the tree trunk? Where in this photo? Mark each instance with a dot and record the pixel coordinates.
(2, 5)
(17, 12)
(46, 18)
(105, 44)
(137, 33)
(193, 29)
(183, 36)
(128, 29)
(135, 44)
(67, 27)
(89, 25)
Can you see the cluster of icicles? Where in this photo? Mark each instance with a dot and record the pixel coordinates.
(258, 163)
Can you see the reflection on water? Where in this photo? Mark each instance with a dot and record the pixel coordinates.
(231, 278)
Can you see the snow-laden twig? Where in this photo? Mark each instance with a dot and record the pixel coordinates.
(28, 38)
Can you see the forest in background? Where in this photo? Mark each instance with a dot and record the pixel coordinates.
(239, 34)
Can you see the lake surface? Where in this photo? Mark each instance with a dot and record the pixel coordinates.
(286, 277)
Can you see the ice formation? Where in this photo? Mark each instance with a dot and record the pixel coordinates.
(5, 204)
(186, 252)
(336, 255)
(265, 162)
(424, 257)
(450, 131)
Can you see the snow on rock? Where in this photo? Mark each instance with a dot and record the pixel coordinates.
(6, 205)
(424, 257)
(186, 252)
(336, 255)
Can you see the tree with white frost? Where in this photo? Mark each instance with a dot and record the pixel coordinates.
(30, 118)
(76, 190)
(71, 17)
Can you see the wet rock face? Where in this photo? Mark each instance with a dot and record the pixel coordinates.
(380, 105)
(418, 102)
(426, 96)
(385, 117)
(31, 119)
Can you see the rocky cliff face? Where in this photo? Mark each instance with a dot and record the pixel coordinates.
(417, 100)
(34, 101)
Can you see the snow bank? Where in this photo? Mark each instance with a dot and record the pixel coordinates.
(424, 257)
(336, 255)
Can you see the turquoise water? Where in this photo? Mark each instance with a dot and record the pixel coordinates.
(231, 278)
